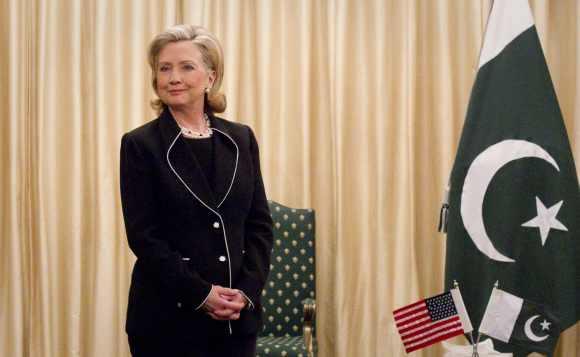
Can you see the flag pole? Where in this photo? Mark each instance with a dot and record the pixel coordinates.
(473, 343)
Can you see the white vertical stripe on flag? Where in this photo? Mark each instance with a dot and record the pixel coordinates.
(461, 310)
(508, 19)
(500, 315)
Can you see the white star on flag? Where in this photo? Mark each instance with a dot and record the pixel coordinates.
(545, 325)
(546, 219)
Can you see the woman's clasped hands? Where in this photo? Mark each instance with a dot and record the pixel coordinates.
(224, 303)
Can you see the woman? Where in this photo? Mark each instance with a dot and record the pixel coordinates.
(195, 211)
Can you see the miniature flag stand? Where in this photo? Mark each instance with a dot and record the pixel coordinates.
(507, 318)
(485, 349)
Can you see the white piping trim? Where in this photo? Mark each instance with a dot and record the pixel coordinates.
(250, 303)
(206, 205)
(204, 300)
(235, 167)
(182, 181)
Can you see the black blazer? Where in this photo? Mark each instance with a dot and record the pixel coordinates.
(185, 236)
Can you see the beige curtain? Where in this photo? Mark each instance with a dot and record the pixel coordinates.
(358, 108)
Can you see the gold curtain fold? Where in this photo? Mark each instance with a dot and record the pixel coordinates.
(358, 107)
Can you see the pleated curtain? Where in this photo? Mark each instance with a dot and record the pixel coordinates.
(357, 106)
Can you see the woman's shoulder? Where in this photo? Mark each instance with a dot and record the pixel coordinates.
(145, 138)
(144, 131)
(238, 130)
(228, 124)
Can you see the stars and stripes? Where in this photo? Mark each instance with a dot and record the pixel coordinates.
(430, 321)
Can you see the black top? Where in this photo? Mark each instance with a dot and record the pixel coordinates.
(202, 150)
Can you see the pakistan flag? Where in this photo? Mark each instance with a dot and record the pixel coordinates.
(514, 204)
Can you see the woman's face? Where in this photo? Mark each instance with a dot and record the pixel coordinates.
(182, 76)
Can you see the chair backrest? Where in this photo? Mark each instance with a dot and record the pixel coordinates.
(292, 270)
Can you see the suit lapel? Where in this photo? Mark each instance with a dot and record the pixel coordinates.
(225, 160)
(183, 163)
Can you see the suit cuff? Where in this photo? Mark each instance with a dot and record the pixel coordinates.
(250, 306)
(204, 300)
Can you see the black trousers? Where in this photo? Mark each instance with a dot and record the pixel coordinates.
(192, 346)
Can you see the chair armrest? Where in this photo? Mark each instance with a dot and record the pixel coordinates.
(309, 316)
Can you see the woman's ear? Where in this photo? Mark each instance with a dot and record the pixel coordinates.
(211, 79)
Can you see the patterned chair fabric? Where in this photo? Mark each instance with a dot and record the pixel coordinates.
(290, 284)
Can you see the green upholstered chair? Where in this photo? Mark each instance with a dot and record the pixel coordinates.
(288, 297)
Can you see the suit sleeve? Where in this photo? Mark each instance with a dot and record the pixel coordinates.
(144, 233)
(259, 237)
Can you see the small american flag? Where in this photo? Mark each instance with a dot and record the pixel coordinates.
(432, 320)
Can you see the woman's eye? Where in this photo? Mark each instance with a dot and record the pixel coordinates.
(163, 69)
(189, 67)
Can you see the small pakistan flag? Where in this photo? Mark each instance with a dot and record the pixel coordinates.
(514, 204)
(513, 320)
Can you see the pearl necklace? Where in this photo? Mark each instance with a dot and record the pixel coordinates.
(206, 132)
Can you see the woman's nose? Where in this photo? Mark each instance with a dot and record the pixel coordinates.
(174, 78)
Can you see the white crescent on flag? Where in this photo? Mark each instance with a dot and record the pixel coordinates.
(478, 179)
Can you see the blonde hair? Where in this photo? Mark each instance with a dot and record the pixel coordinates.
(212, 56)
